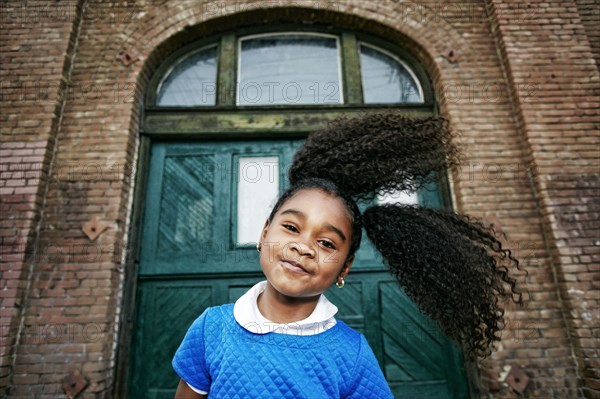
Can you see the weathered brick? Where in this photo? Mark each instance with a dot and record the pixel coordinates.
(533, 132)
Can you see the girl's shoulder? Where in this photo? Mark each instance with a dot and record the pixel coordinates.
(220, 311)
(347, 332)
(213, 317)
(220, 314)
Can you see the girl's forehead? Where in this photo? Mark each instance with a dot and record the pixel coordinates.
(318, 203)
(302, 196)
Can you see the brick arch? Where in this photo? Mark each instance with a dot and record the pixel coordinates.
(155, 37)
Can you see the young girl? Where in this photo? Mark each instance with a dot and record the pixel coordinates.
(281, 338)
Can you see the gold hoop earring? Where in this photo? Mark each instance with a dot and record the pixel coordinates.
(340, 285)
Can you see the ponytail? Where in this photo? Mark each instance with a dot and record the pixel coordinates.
(450, 265)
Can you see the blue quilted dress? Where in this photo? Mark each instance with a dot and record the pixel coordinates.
(220, 356)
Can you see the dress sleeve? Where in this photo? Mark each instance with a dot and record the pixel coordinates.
(368, 379)
(189, 361)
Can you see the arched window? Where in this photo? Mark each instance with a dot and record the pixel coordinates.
(191, 81)
(386, 79)
(289, 68)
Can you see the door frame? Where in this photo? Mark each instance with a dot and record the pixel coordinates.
(251, 122)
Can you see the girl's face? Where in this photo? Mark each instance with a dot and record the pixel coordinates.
(305, 246)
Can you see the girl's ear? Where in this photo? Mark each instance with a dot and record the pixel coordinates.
(263, 234)
(347, 265)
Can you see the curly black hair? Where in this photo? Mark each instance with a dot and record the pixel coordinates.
(377, 153)
(452, 266)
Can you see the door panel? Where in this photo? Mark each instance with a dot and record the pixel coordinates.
(190, 224)
(190, 259)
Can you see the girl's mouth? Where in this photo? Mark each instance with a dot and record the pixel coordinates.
(293, 267)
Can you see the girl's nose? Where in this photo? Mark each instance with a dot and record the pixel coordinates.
(302, 249)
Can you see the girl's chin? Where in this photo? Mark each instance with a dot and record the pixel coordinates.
(294, 289)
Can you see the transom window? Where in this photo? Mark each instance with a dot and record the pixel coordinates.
(386, 79)
(289, 68)
(191, 81)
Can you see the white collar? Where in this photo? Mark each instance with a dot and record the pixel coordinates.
(246, 313)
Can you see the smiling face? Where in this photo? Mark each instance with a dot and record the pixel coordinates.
(305, 245)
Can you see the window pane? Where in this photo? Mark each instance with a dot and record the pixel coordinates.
(399, 197)
(258, 187)
(191, 82)
(186, 208)
(386, 80)
(289, 69)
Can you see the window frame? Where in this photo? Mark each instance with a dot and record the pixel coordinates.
(234, 211)
(398, 60)
(162, 78)
(339, 60)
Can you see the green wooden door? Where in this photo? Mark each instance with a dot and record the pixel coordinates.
(195, 254)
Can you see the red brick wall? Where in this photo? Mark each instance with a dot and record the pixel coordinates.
(560, 123)
(507, 103)
(36, 49)
(589, 12)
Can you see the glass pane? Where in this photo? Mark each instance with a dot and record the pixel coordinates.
(399, 197)
(289, 69)
(186, 208)
(258, 187)
(386, 80)
(191, 82)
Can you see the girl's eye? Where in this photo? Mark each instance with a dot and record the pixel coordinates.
(328, 244)
(325, 243)
(290, 227)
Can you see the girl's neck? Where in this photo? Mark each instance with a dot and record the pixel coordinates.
(282, 309)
